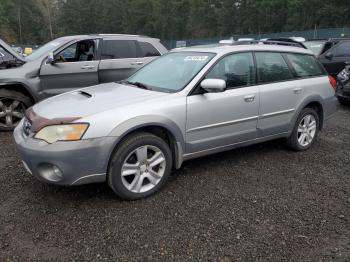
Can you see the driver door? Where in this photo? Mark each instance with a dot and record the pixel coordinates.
(74, 67)
(217, 120)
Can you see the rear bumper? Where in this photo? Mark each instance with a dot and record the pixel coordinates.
(65, 163)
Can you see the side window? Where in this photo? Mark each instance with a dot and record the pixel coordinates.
(77, 52)
(272, 67)
(237, 70)
(148, 50)
(305, 65)
(342, 50)
(117, 49)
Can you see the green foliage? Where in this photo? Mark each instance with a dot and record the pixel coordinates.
(37, 21)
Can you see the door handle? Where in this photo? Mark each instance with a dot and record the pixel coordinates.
(249, 98)
(88, 67)
(297, 90)
(137, 63)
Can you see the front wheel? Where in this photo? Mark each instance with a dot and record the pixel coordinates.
(140, 166)
(305, 131)
(12, 108)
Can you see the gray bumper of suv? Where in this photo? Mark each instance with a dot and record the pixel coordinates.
(65, 163)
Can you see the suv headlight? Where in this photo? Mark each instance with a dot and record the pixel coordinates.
(70, 132)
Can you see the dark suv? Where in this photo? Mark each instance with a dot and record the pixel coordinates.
(335, 55)
(67, 63)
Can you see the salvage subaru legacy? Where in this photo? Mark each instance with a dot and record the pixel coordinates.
(188, 103)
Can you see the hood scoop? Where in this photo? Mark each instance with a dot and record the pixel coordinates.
(86, 94)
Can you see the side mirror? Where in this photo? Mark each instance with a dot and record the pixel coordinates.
(214, 85)
(51, 58)
(329, 55)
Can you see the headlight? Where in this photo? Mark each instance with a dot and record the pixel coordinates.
(71, 132)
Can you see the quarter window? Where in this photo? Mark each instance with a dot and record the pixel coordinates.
(148, 50)
(117, 49)
(305, 65)
(272, 67)
(237, 70)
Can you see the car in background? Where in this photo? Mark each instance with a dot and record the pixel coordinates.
(343, 86)
(334, 55)
(68, 63)
(186, 104)
(316, 46)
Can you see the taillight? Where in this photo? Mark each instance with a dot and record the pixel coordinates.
(333, 82)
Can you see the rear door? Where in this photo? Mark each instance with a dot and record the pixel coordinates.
(119, 59)
(280, 93)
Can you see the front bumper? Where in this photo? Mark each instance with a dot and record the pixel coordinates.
(65, 163)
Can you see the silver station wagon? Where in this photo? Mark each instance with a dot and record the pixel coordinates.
(188, 103)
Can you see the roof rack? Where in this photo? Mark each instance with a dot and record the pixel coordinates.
(118, 35)
(285, 42)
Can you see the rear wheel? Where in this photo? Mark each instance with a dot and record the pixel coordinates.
(140, 166)
(12, 108)
(305, 131)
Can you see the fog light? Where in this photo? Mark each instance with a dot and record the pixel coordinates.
(50, 172)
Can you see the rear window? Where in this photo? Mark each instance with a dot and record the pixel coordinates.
(272, 67)
(305, 65)
(117, 49)
(148, 50)
(342, 50)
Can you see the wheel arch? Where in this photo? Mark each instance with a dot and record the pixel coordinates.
(21, 88)
(314, 102)
(159, 126)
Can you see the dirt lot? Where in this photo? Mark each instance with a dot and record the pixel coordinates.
(252, 204)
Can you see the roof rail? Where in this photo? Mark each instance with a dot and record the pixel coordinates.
(118, 35)
(272, 42)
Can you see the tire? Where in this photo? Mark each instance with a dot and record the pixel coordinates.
(17, 103)
(294, 139)
(129, 159)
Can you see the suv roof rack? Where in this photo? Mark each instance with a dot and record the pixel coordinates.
(284, 42)
(118, 35)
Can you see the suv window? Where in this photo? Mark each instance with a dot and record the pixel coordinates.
(77, 52)
(237, 70)
(272, 67)
(148, 50)
(343, 49)
(117, 49)
(305, 65)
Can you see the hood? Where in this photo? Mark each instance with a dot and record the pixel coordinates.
(93, 100)
(7, 48)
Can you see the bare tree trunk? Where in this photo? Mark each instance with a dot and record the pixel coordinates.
(19, 24)
(50, 20)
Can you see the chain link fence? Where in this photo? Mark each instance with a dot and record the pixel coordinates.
(309, 35)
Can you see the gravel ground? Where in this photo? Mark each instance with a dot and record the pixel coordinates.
(258, 203)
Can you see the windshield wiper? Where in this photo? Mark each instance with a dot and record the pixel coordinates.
(138, 84)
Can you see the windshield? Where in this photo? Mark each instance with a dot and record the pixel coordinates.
(45, 50)
(171, 72)
(315, 46)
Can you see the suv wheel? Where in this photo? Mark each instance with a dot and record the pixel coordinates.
(140, 166)
(12, 108)
(305, 131)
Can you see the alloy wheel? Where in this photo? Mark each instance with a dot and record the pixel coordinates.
(11, 112)
(143, 169)
(307, 130)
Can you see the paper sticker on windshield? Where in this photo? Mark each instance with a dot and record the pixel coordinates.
(196, 58)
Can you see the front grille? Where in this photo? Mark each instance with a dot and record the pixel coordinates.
(26, 126)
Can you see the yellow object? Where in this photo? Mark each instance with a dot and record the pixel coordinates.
(28, 50)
